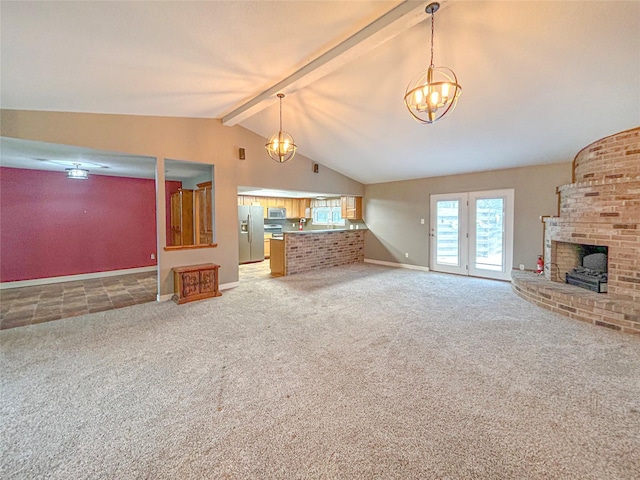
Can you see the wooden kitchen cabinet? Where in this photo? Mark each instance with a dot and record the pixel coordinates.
(296, 207)
(292, 208)
(265, 203)
(253, 201)
(303, 205)
(351, 207)
(276, 260)
(181, 221)
(267, 246)
(245, 199)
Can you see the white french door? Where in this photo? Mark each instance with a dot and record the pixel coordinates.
(448, 233)
(472, 233)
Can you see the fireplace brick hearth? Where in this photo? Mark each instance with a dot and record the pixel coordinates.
(601, 208)
(578, 303)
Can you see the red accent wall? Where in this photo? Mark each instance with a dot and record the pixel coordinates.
(53, 226)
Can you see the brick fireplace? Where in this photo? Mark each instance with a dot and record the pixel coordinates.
(600, 208)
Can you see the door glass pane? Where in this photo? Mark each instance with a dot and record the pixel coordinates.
(489, 234)
(447, 232)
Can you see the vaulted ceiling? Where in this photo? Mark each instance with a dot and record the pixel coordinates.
(540, 79)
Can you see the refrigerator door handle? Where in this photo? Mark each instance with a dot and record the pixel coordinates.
(250, 221)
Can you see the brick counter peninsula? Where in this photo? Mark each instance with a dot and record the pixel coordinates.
(302, 251)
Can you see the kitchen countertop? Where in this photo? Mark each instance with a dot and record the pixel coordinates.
(328, 230)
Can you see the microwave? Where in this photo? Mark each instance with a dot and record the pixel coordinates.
(280, 213)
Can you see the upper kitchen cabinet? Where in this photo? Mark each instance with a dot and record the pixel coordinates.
(295, 207)
(304, 206)
(351, 207)
(252, 201)
(246, 199)
(291, 206)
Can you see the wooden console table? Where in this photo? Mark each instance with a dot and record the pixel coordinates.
(195, 282)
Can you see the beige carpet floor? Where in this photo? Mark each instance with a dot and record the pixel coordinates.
(358, 372)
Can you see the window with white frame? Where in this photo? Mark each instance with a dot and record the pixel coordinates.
(327, 212)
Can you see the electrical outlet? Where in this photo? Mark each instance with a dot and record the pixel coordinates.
(153, 256)
(522, 266)
(422, 221)
(406, 255)
(293, 225)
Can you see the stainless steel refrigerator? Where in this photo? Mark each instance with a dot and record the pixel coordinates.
(251, 233)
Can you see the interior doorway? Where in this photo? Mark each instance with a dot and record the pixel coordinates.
(472, 233)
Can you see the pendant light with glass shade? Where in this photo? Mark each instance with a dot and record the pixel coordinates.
(432, 94)
(281, 146)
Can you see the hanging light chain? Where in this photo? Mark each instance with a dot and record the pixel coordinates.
(433, 15)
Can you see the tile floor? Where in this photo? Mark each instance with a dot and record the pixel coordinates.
(43, 303)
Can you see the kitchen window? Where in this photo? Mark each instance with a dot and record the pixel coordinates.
(327, 212)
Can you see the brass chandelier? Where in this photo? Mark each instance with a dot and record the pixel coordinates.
(281, 146)
(432, 94)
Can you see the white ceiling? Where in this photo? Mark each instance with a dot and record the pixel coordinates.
(540, 79)
(18, 153)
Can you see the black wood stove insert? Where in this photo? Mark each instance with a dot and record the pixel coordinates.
(592, 275)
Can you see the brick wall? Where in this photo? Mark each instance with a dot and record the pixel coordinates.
(305, 252)
(602, 208)
(617, 156)
(578, 303)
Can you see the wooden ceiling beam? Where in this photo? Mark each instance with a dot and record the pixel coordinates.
(399, 19)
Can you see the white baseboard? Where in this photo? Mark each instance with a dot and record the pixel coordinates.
(224, 286)
(72, 278)
(397, 265)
